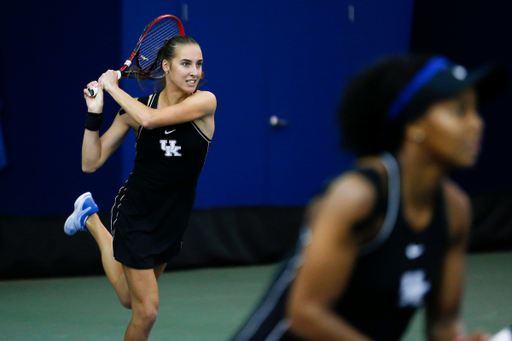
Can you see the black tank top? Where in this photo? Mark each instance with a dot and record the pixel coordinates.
(395, 273)
(392, 277)
(171, 153)
(152, 209)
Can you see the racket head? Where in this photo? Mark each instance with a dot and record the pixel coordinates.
(150, 41)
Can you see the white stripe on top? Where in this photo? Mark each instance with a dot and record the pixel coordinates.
(393, 204)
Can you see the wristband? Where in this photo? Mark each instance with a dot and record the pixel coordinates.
(93, 121)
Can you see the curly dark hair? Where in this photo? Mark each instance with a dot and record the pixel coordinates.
(366, 128)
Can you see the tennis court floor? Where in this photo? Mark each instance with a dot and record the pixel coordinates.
(205, 304)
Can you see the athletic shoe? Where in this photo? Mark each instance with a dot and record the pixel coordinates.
(84, 207)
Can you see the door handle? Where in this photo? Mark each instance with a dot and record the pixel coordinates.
(276, 122)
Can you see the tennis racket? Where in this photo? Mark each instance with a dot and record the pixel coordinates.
(150, 41)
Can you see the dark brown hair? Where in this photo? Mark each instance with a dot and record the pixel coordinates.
(366, 127)
(166, 52)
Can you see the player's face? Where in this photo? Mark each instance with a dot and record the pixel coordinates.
(187, 67)
(453, 130)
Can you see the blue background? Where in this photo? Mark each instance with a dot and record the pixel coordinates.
(286, 58)
(289, 58)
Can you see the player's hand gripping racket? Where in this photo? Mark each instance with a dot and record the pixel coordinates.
(151, 39)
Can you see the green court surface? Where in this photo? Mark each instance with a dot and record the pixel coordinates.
(205, 304)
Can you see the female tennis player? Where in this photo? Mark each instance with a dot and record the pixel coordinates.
(390, 235)
(174, 128)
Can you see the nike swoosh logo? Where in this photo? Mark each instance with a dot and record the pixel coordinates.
(168, 132)
(81, 214)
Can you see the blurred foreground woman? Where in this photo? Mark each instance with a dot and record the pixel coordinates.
(390, 235)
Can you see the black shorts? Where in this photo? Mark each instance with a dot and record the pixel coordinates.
(148, 223)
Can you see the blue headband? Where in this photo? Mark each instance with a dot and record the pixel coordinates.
(422, 77)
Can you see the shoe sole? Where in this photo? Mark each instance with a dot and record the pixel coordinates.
(77, 208)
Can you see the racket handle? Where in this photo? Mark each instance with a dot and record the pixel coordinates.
(94, 91)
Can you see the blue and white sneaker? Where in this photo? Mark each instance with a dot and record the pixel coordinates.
(84, 207)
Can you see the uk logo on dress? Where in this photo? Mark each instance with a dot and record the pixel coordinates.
(413, 287)
(170, 148)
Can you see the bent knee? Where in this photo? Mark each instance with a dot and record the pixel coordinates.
(125, 299)
(147, 316)
(151, 315)
(126, 302)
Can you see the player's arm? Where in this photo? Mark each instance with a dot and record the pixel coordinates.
(444, 303)
(199, 105)
(96, 150)
(329, 261)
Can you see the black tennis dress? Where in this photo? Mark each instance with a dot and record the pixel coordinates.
(392, 277)
(152, 209)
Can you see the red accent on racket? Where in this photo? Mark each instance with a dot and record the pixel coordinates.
(151, 39)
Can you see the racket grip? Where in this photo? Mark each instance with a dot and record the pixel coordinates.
(94, 91)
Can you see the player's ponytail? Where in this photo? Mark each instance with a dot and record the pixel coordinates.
(166, 52)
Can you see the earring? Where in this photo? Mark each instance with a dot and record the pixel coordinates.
(166, 72)
(419, 136)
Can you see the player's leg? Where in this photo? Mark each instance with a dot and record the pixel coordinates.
(113, 269)
(159, 269)
(145, 300)
(85, 218)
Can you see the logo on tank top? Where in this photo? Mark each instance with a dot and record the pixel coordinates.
(170, 148)
(413, 288)
(413, 251)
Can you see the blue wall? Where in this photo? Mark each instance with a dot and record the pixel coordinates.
(286, 58)
(47, 57)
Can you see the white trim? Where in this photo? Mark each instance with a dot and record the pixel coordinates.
(205, 138)
(112, 220)
(270, 301)
(393, 171)
(200, 132)
(278, 331)
(150, 103)
(138, 136)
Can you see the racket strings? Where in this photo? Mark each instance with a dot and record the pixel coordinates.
(154, 40)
